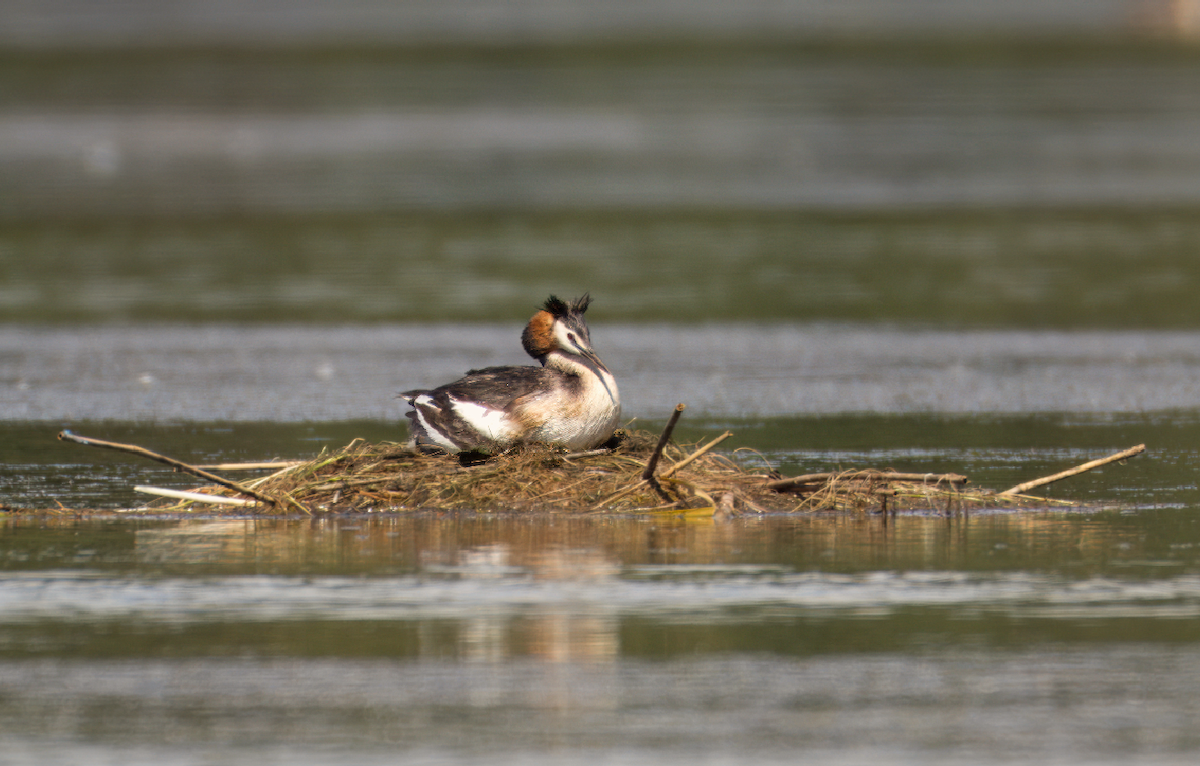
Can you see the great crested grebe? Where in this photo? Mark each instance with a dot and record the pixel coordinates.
(570, 400)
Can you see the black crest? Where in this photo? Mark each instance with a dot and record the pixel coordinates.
(559, 308)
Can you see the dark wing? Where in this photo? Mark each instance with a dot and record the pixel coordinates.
(495, 388)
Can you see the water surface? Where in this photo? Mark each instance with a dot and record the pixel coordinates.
(459, 639)
(995, 181)
(1000, 406)
(933, 236)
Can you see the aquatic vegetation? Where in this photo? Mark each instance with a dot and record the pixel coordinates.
(623, 476)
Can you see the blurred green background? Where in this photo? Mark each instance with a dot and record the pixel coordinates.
(929, 162)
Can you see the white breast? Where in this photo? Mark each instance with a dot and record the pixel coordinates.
(585, 420)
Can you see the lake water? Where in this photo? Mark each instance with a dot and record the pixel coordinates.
(932, 236)
(462, 639)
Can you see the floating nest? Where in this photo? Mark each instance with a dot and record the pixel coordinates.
(365, 477)
(636, 472)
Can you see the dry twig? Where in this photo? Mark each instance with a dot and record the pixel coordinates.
(1122, 455)
(133, 449)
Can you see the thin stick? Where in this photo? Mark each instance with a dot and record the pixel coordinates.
(666, 474)
(589, 453)
(1122, 455)
(349, 483)
(682, 463)
(652, 463)
(252, 466)
(627, 491)
(260, 481)
(293, 502)
(813, 478)
(133, 449)
(196, 497)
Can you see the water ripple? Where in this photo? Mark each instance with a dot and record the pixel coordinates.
(661, 592)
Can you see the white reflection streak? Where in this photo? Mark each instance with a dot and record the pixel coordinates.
(70, 595)
(109, 141)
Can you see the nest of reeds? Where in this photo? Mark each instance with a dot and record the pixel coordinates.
(619, 478)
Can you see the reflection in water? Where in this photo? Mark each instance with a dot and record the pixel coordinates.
(484, 635)
(502, 639)
(546, 633)
(483, 547)
(583, 589)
